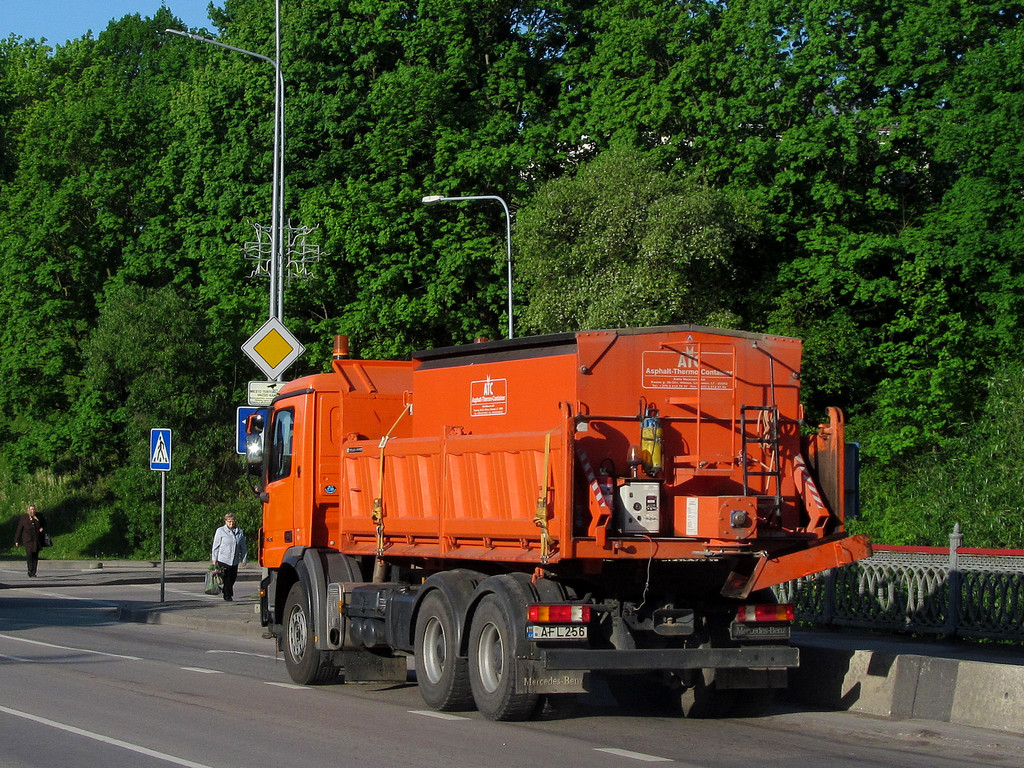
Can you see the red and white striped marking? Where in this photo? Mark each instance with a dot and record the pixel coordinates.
(808, 490)
(595, 488)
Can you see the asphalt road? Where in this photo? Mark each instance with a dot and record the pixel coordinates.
(78, 687)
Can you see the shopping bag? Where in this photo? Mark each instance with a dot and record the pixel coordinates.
(214, 583)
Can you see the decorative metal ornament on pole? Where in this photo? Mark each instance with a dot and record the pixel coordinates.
(432, 199)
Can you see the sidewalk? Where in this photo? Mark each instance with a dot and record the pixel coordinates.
(184, 602)
(204, 612)
(974, 684)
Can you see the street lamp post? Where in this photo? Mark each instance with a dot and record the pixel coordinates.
(277, 228)
(432, 199)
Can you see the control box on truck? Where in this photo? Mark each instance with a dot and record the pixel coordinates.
(538, 516)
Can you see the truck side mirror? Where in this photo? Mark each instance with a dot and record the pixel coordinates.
(254, 424)
(254, 454)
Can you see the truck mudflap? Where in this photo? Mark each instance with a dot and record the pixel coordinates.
(772, 571)
(532, 677)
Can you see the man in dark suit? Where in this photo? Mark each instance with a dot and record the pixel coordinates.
(31, 527)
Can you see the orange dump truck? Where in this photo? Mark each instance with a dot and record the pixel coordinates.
(538, 516)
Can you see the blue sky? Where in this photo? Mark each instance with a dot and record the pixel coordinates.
(62, 20)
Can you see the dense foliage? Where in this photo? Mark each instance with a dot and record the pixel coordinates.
(848, 174)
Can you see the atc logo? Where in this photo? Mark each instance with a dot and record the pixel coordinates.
(488, 397)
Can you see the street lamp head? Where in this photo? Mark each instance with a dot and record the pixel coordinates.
(431, 199)
(190, 35)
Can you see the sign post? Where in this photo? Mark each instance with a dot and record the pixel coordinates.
(160, 461)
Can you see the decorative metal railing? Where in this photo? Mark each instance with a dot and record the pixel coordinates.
(954, 593)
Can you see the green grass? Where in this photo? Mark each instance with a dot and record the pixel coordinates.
(88, 521)
(80, 518)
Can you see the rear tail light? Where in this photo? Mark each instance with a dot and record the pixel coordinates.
(768, 612)
(559, 614)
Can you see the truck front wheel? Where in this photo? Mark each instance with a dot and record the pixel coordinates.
(306, 665)
(442, 675)
(492, 663)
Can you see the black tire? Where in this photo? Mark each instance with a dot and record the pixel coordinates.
(492, 641)
(443, 676)
(306, 665)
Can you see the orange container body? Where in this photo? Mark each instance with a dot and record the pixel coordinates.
(568, 452)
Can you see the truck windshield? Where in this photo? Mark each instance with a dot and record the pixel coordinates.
(281, 445)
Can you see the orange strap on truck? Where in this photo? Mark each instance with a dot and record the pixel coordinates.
(378, 503)
(540, 517)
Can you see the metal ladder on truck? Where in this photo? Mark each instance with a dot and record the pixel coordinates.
(753, 422)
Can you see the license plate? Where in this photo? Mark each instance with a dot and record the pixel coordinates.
(557, 632)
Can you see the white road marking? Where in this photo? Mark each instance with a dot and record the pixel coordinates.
(105, 739)
(201, 595)
(16, 658)
(69, 648)
(292, 686)
(635, 755)
(203, 670)
(438, 715)
(248, 653)
(99, 603)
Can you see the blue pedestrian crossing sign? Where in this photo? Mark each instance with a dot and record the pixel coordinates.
(160, 449)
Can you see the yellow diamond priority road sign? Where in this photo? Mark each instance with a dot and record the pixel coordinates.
(273, 348)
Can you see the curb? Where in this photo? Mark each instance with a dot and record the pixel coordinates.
(236, 623)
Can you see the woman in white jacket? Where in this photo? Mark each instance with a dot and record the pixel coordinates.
(228, 552)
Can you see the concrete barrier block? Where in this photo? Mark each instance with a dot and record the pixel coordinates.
(862, 681)
(934, 688)
(989, 696)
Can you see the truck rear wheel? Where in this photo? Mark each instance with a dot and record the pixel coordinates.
(442, 675)
(492, 641)
(306, 665)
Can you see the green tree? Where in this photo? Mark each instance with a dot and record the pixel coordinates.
(150, 361)
(622, 243)
(846, 174)
(78, 198)
(974, 481)
(437, 98)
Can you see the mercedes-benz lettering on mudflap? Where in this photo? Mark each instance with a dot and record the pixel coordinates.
(526, 517)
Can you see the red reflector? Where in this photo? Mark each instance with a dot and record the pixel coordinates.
(783, 612)
(558, 614)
